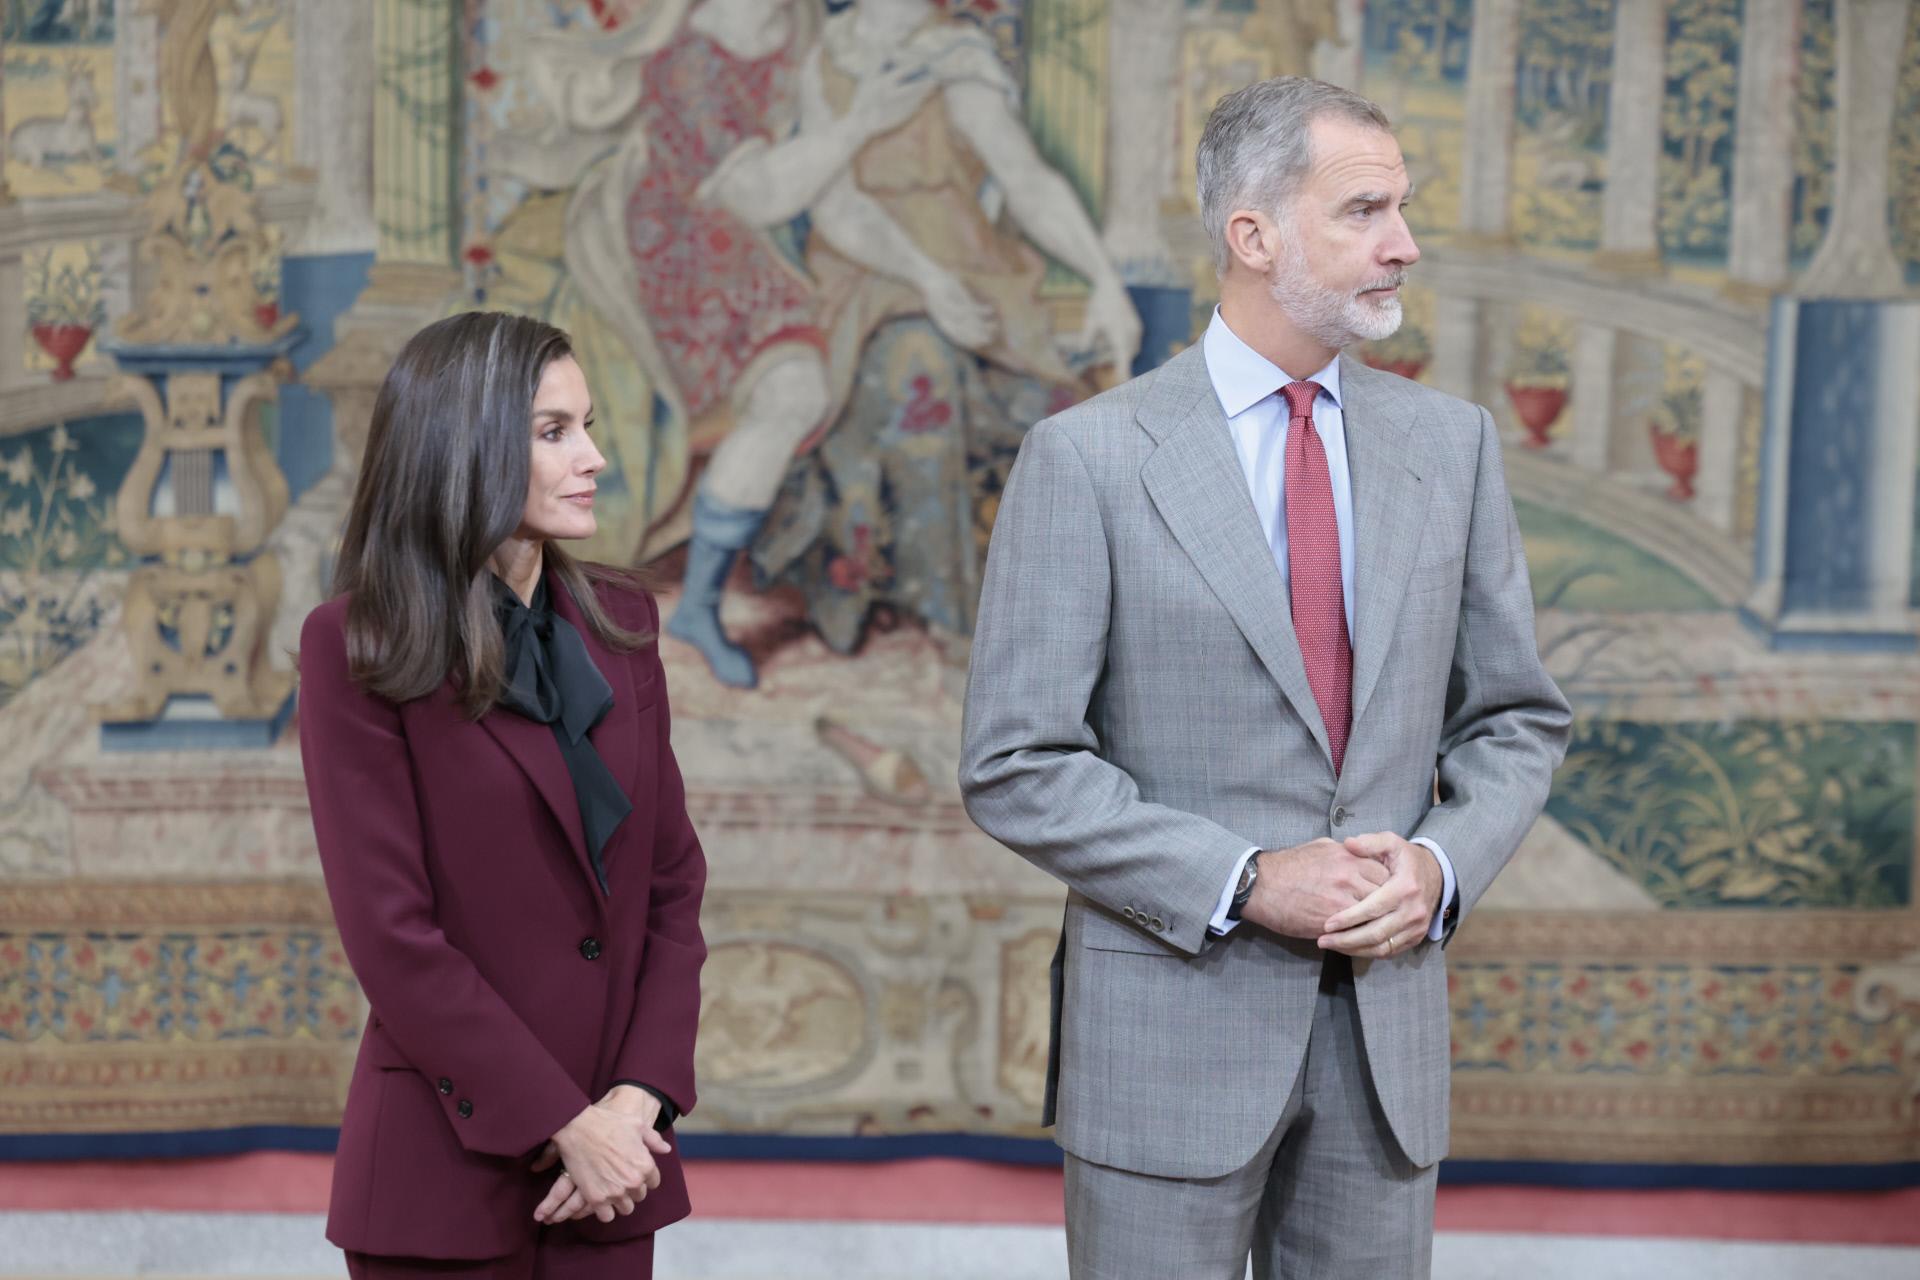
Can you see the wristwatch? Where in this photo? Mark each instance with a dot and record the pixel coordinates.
(1243, 891)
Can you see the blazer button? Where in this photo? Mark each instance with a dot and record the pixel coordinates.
(1340, 816)
(1155, 922)
(465, 1109)
(446, 1085)
(590, 948)
(1128, 912)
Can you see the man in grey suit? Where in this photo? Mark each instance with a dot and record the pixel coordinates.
(1255, 675)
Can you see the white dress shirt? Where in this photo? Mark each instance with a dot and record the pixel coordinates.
(1248, 385)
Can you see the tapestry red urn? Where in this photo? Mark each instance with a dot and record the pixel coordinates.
(1536, 405)
(1679, 457)
(64, 343)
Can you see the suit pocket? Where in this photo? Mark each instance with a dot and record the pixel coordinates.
(1436, 575)
(378, 1048)
(430, 1197)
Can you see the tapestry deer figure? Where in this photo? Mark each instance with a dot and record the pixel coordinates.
(54, 142)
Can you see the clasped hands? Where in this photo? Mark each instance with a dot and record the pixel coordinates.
(1370, 896)
(606, 1154)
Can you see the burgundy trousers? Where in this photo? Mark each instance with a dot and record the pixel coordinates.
(545, 1260)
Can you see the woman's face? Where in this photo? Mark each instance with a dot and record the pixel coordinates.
(565, 462)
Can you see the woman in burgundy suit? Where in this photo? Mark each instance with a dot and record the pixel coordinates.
(503, 829)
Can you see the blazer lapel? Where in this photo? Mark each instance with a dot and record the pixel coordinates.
(1195, 481)
(532, 747)
(1389, 509)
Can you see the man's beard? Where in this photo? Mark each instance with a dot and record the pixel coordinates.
(1328, 316)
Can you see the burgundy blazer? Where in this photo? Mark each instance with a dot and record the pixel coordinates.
(508, 991)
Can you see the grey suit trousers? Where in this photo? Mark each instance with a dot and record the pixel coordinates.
(1328, 1196)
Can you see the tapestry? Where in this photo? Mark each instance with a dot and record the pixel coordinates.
(1672, 245)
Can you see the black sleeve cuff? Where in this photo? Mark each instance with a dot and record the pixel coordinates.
(668, 1112)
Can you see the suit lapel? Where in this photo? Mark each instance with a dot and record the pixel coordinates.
(1389, 509)
(1196, 483)
(532, 747)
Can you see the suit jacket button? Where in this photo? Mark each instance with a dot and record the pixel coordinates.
(1128, 912)
(465, 1109)
(1340, 816)
(446, 1085)
(1155, 922)
(590, 948)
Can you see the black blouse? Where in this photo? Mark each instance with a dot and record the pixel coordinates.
(550, 678)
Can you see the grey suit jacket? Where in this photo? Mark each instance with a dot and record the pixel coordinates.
(1138, 714)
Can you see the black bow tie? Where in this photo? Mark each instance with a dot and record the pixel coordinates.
(550, 678)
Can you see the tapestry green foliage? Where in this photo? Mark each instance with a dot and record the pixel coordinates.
(1747, 813)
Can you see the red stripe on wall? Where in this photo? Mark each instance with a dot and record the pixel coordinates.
(962, 1191)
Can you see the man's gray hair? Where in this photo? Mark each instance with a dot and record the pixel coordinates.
(1257, 146)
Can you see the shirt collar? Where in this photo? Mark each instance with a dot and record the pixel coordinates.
(506, 599)
(1242, 377)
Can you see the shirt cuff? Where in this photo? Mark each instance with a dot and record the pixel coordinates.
(1220, 926)
(1438, 930)
(668, 1112)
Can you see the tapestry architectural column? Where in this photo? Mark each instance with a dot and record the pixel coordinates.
(1617, 380)
(136, 85)
(1856, 260)
(1343, 61)
(10, 269)
(203, 359)
(416, 55)
(334, 79)
(1834, 554)
(1142, 96)
(415, 88)
(1463, 352)
(1463, 328)
(1617, 376)
(1834, 538)
(1590, 439)
(1629, 225)
(6, 196)
(1143, 55)
(1763, 148)
(1486, 165)
(1723, 407)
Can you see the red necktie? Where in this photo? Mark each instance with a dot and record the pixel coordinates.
(1313, 570)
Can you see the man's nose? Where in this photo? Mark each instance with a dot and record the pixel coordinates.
(1400, 248)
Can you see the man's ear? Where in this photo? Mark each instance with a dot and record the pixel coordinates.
(1252, 240)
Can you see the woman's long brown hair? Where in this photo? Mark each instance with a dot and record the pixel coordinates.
(443, 484)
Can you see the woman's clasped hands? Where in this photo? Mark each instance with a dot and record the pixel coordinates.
(607, 1158)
